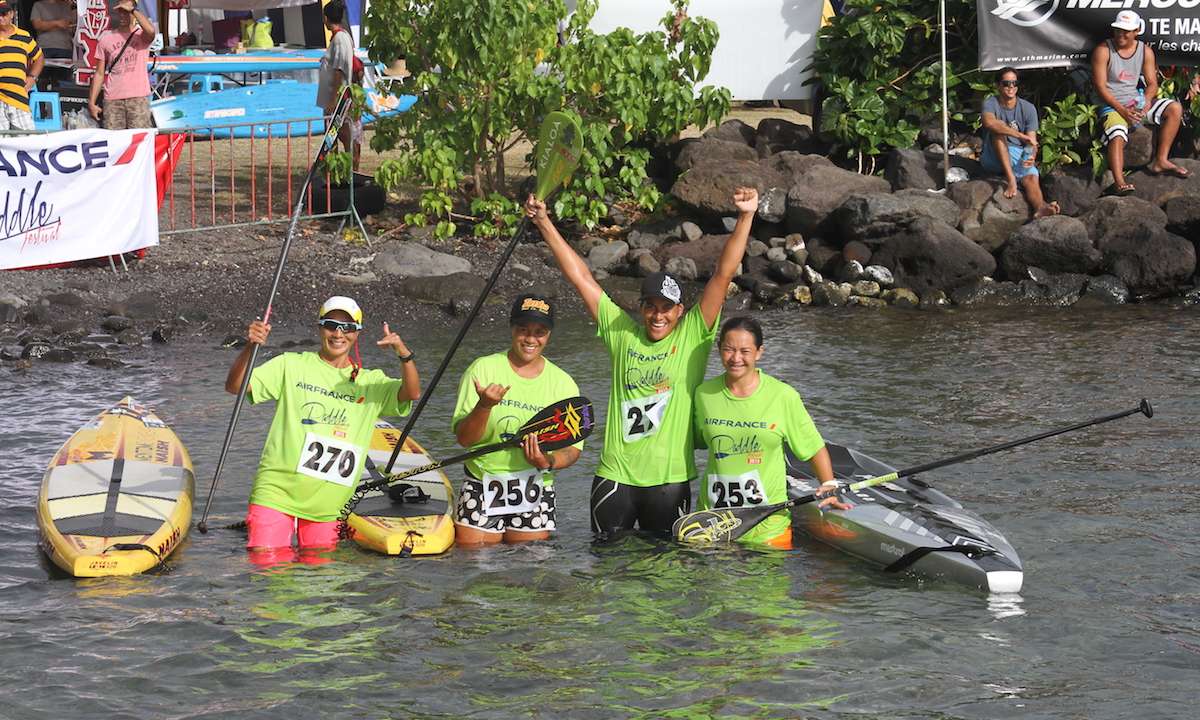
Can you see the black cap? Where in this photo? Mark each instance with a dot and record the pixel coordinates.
(661, 285)
(532, 307)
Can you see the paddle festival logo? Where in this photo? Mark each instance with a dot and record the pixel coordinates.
(75, 195)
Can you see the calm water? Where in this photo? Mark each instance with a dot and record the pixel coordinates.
(1107, 627)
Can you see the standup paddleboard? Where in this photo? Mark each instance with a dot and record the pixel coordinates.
(117, 498)
(417, 516)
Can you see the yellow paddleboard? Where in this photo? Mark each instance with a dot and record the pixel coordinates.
(117, 498)
(417, 521)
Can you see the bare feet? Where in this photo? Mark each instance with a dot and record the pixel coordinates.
(1046, 210)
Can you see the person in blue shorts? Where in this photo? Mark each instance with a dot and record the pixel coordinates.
(1010, 142)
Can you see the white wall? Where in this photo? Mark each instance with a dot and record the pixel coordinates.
(764, 44)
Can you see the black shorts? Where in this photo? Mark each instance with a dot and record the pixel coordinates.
(617, 507)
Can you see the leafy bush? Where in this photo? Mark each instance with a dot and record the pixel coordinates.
(487, 71)
(880, 66)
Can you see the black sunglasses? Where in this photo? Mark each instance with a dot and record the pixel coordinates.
(335, 325)
(1009, 83)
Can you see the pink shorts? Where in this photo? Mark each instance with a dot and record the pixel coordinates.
(272, 528)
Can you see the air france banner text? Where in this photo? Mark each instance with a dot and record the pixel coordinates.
(76, 195)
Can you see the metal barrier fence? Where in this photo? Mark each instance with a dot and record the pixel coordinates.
(245, 174)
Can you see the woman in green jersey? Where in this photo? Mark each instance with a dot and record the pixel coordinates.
(743, 418)
(509, 494)
(324, 419)
(647, 460)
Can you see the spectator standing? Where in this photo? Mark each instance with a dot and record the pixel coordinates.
(54, 21)
(1117, 63)
(122, 58)
(21, 63)
(1010, 142)
(336, 65)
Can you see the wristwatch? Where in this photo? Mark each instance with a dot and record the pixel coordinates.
(406, 358)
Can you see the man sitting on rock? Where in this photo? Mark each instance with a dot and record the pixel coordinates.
(1117, 64)
(1010, 142)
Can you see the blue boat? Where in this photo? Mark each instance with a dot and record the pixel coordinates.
(276, 108)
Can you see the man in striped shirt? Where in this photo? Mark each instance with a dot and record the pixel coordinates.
(20, 65)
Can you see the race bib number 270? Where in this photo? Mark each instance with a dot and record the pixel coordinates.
(329, 459)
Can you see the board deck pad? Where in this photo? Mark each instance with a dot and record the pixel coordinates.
(117, 497)
(417, 528)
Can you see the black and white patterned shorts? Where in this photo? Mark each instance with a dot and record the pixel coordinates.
(473, 514)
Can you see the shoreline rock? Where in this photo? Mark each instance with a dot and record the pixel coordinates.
(823, 236)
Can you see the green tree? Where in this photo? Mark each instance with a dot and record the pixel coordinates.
(880, 65)
(486, 71)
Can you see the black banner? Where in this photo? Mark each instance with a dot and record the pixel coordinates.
(1063, 33)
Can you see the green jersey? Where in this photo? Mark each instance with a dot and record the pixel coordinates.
(648, 434)
(525, 398)
(320, 434)
(745, 442)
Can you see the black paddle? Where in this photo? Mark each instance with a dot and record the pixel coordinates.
(331, 133)
(725, 524)
(564, 423)
(556, 156)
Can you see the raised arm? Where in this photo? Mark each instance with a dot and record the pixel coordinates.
(573, 266)
(411, 389)
(746, 201)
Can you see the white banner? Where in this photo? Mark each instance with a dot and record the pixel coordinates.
(76, 195)
(764, 46)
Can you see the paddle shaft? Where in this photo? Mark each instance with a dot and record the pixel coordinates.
(441, 464)
(462, 332)
(339, 116)
(762, 512)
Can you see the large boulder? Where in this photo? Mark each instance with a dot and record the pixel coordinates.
(987, 217)
(1073, 187)
(1056, 244)
(1147, 258)
(1158, 189)
(703, 252)
(415, 260)
(812, 203)
(777, 135)
(793, 165)
(651, 235)
(867, 218)
(711, 150)
(929, 256)
(1109, 213)
(709, 188)
(910, 168)
(1183, 216)
(732, 131)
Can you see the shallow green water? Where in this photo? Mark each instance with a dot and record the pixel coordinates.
(1107, 626)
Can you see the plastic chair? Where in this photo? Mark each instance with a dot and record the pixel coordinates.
(205, 83)
(47, 112)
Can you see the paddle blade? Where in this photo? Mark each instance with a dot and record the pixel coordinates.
(564, 423)
(557, 153)
(721, 525)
